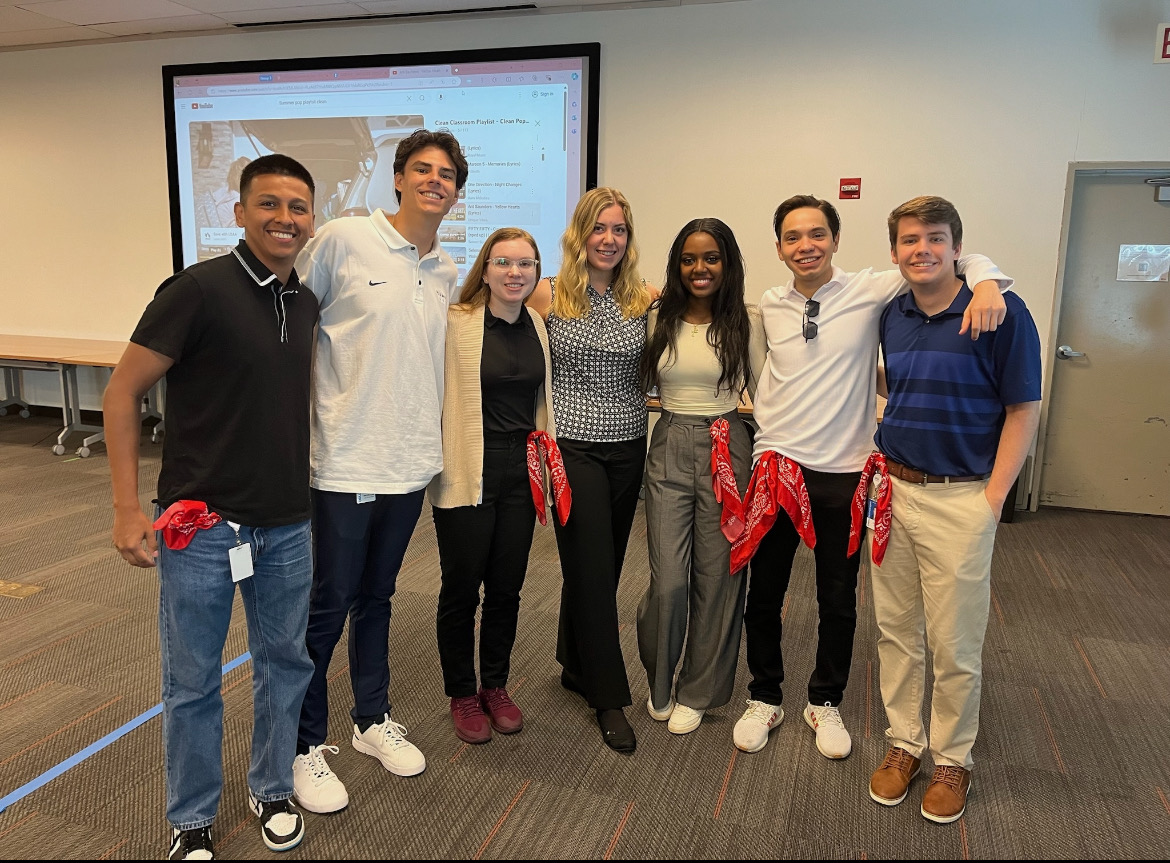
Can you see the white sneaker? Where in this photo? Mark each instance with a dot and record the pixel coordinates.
(751, 732)
(660, 715)
(387, 742)
(684, 720)
(833, 740)
(315, 786)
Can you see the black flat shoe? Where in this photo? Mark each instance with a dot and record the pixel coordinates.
(616, 731)
(572, 684)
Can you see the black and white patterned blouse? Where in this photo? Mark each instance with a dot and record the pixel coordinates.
(596, 393)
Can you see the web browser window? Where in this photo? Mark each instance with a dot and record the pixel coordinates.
(524, 124)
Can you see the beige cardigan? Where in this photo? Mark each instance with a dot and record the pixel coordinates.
(461, 481)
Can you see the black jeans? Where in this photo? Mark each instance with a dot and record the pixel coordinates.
(486, 544)
(605, 479)
(831, 498)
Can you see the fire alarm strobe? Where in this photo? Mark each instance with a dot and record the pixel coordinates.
(850, 187)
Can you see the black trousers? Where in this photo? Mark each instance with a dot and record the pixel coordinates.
(486, 544)
(605, 479)
(831, 498)
(358, 551)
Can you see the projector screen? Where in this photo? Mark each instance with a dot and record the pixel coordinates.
(526, 118)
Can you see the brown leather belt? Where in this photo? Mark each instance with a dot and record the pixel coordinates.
(909, 474)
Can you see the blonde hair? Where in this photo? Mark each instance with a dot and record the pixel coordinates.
(475, 290)
(570, 300)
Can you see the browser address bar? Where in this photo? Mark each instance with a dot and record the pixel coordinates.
(332, 86)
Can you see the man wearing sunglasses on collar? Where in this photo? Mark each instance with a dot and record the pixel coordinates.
(816, 408)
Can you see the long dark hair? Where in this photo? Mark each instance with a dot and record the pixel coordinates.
(729, 332)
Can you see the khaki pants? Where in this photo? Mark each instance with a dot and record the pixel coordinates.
(935, 581)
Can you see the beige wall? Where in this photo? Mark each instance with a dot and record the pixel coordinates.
(716, 109)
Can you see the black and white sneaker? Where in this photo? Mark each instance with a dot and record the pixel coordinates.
(191, 844)
(281, 824)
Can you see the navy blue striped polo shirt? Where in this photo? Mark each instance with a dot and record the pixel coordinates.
(947, 392)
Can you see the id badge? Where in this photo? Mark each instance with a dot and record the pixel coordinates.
(875, 486)
(240, 557)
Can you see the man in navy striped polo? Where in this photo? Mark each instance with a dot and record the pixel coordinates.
(959, 423)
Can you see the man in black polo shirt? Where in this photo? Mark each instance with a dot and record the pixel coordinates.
(234, 337)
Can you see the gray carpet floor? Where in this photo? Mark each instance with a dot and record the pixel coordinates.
(1073, 759)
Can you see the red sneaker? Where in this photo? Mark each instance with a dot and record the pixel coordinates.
(505, 716)
(471, 725)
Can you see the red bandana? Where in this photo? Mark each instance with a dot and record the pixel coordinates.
(777, 483)
(875, 466)
(723, 479)
(542, 447)
(182, 519)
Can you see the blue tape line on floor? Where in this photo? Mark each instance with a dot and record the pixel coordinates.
(53, 772)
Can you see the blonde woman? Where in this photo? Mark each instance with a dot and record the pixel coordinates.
(498, 388)
(595, 309)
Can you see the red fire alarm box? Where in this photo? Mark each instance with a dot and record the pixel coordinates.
(850, 187)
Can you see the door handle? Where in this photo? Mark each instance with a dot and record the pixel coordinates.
(1064, 352)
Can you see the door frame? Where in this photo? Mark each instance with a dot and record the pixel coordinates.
(1076, 170)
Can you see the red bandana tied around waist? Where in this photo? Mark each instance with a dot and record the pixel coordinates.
(180, 521)
(875, 466)
(723, 479)
(542, 448)
(777, 483)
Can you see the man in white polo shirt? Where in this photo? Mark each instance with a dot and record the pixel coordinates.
(384, 284)
(816, 406)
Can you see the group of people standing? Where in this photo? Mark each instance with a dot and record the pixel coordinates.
(320, 385)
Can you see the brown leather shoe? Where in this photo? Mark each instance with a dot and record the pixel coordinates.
(889, 783)
(945, 799)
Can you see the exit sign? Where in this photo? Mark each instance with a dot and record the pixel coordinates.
(1162, 44)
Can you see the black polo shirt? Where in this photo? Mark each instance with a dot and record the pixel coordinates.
(510, 373)
(237, 410)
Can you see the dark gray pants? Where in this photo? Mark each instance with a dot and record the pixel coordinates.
(689, 562)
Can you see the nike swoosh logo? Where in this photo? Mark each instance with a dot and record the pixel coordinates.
(372, 283)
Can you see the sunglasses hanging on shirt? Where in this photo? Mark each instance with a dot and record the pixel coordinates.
(811, 309)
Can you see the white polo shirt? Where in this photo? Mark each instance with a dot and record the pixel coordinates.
(817, 400)
(378, 375)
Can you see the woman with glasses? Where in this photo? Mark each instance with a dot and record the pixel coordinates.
(497, 391)
(595, 308)
(705, 348)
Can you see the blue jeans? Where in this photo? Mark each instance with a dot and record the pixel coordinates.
(195, 607)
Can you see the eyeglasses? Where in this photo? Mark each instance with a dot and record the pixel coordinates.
(525, 265)
(811, 309)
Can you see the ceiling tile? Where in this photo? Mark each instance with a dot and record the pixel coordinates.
(46, 36)
(18, 19)
(162, 25)
(293, 13)
(217, 6)
(409, 7)
(105, 11)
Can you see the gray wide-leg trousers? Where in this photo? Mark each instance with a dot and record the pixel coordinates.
(691, 597)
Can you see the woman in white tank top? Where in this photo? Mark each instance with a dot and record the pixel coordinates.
(704, 349)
